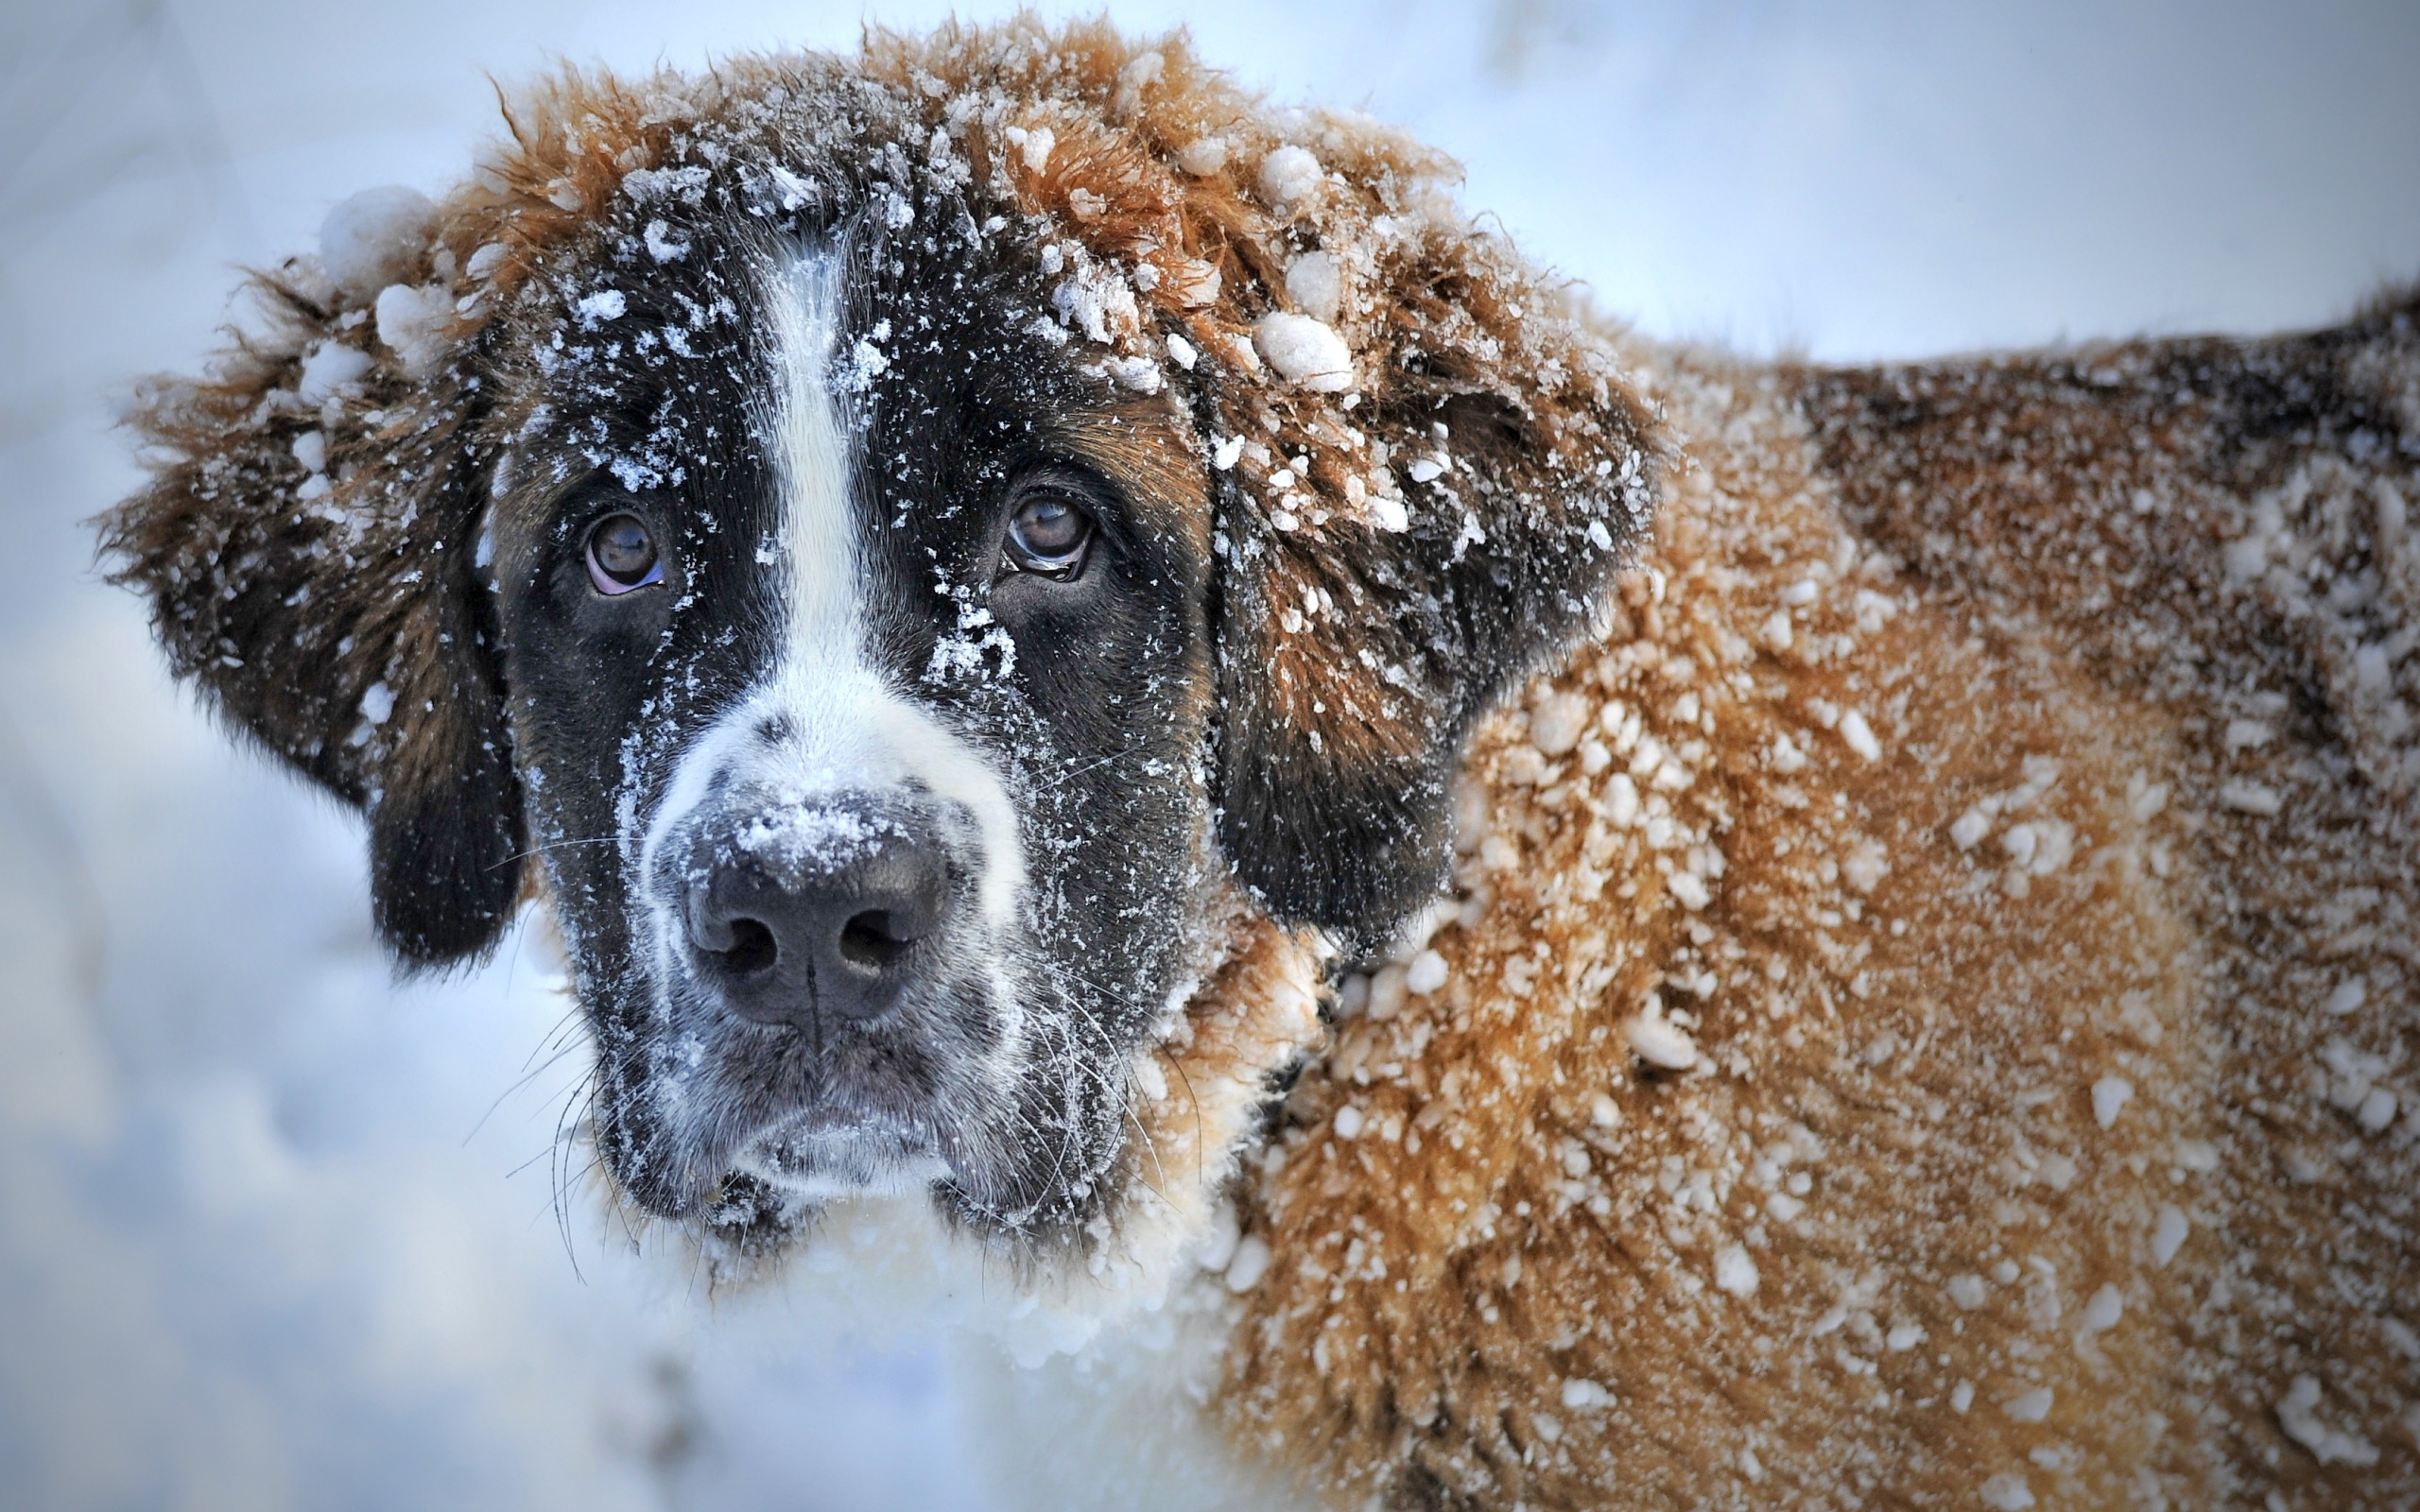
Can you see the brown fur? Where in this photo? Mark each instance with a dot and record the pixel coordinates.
(2012, 560)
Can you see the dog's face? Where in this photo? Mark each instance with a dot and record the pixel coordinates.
(859, 667)
(896, 580)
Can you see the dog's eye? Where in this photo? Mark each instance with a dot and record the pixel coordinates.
(621, 555)
(1048, 536)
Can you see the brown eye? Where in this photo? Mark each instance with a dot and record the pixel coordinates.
(1048, 535)
(621, 555)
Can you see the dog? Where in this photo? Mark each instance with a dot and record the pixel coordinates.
(1481, 912)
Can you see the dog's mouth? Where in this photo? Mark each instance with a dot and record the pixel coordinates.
(812, 1117)
(832, 1150)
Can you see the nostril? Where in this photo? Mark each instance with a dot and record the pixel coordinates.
(751, 948)
(875, 938)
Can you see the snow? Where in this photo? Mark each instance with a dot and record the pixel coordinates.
(1036, 148)
(2168, 1232)
(1691, 890)
(2401, 1336)
(2020, 842)
(1288, 174)
(2376, 1110)
(2006, 1492)
(662, 245)
(1860, 735)
(1657, 1040)
(2245, 796)
(1387, 986)
(2248, 735)
(2109, 1095)
(1734, 1272)
(1968, 830)
(1864, 867)
(2298, 1416)
(1203, 156)
(331, 369)
(2101, 1313)
(797, 831)
(1581, 1396)
(1316, 286)
(411, 322)
(374, 238)
(2029, 1406)
(1426, 974)
(1305, 350)
(1141, 374)
(595, 309)
(1096, 302)
(1621, 801)
(253, 1258)
(1558, 721)
(1250, 1265)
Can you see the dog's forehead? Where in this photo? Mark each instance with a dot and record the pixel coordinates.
(661, 373)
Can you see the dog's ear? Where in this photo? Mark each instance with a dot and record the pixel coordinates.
(1428, 464)
(309, 546)
(1377, 596)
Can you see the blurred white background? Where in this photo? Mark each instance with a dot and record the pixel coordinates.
(275, 1232)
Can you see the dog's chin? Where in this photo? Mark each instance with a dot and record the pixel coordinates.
(825, 1155)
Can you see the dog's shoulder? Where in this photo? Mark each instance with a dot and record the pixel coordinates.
(1882, 950)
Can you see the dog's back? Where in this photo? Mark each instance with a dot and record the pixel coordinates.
(1933, 1013)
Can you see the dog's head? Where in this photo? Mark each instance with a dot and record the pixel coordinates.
(896, 552)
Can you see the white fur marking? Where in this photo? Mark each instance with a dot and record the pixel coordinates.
(847, 730)
(815, 449)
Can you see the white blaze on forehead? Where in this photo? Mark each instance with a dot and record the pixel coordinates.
(846, 731)
(814, 434)
(851, 727)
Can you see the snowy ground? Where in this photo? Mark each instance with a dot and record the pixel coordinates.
(274, 1232)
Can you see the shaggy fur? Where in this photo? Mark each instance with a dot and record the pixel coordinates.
(1919, 1007)
(1983, 777)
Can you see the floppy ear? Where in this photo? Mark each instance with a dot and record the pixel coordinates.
(1426, 464)
(1358, 647)
(307, 545)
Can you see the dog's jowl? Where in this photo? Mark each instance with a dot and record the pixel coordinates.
(1479, 912)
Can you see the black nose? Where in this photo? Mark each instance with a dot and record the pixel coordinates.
(831, 917)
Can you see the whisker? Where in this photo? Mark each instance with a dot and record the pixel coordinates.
(523, 1080)
(1101, 761)
(554, 845)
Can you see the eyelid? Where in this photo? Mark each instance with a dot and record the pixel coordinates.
(611, 587)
